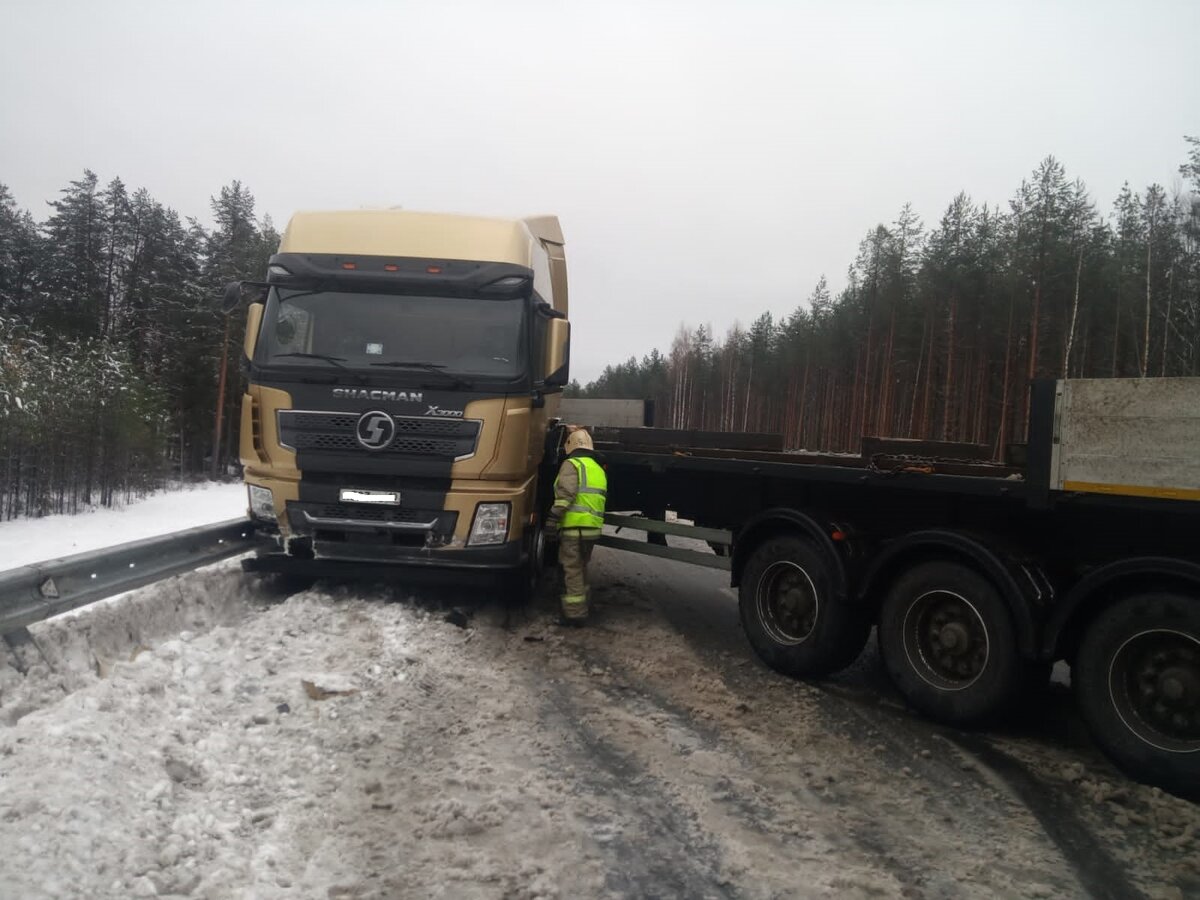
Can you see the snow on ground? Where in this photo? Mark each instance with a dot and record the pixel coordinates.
(206, 738)
(24, 541)
(322, 747)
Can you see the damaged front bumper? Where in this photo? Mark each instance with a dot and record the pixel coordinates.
(358, 559)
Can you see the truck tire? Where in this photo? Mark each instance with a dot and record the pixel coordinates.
(790, 614)
(525, 582)
(948, 643)
(1137, 680)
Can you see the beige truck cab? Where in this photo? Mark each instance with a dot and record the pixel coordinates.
(403, 369)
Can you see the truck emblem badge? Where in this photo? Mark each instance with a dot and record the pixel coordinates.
(445, 413)
(375, 430)
(360, 394)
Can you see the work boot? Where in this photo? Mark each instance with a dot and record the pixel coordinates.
(574, 609)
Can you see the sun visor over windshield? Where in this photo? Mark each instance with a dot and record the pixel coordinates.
(452, 277)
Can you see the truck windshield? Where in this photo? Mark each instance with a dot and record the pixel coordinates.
(455, 335)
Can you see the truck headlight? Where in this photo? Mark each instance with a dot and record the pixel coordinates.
(262, 502)
(490, 525)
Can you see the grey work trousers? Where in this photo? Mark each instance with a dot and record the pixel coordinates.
(574, 551)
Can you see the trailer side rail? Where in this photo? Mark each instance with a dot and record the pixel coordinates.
(717, 536)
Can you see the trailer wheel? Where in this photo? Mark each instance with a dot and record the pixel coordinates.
(790, 615)
(1137, 678)
(948, 642)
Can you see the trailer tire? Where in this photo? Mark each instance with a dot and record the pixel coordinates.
(948, 642)
(1137, 680)
(790, 614)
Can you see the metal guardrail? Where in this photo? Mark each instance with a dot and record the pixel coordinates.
(38, 591)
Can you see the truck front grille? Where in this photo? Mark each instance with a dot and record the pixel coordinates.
(360, 519)
(365, 512)
(326, 432)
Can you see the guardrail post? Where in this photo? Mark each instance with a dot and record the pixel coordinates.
(22, 646)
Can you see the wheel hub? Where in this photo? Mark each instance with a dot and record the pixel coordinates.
(787, 602)
(954, 638)
(946, 639)
(1179, 685)
(1155, 679)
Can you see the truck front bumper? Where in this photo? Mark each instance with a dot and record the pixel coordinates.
(410, 564)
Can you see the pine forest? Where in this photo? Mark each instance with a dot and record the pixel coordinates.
(939, 331)
(112, 343)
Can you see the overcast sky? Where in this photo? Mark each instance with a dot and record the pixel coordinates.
(709, 160)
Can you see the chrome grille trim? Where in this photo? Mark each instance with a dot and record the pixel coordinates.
(371, 523)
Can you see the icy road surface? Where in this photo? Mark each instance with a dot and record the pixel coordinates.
(203, 738)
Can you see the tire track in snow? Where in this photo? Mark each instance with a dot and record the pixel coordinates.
(1096, 870)
(1142, 836)
(762, 815)
(933, 799)
(670, 856)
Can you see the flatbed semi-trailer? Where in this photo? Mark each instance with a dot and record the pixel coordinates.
(978, 575)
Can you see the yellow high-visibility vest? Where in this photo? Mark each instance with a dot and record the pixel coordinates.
(587, 509)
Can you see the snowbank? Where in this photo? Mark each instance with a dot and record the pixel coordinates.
(324, 746)
(24, 541)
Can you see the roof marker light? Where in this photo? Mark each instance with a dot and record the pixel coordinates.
(277, 270)
(434, 270)
(504, 285)
(349, 265)
(391, 267)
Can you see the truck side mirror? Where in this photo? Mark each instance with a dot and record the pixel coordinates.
(558, 353)
(232, 298)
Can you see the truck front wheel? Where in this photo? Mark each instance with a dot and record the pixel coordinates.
(949, 645)
(525, 583)
(789, 612)
(1137, 678)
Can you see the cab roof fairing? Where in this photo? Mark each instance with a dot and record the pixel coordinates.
(403, 233)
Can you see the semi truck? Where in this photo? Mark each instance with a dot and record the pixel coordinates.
(402, 370)
(401, 417)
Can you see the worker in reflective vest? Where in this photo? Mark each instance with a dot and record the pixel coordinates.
(578, 516)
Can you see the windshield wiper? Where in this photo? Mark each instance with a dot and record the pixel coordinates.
(399, 364)
(435, 368)
(336, 360)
